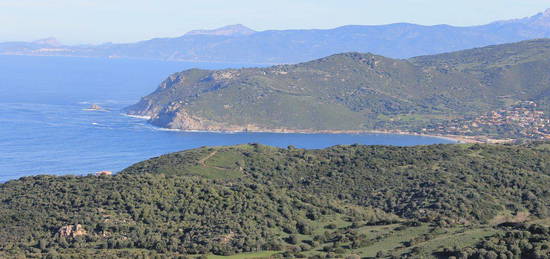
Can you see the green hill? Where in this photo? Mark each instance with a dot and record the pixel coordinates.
(354, 92)
(259, 201)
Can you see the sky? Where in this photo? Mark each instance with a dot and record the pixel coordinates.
(99, 21)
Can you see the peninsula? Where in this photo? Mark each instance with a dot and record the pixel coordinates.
(447, 95)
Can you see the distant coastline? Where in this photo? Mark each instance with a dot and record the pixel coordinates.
(373, 97)
(454, 138)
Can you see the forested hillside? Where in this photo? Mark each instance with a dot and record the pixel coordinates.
(357, 92)
(260, 201)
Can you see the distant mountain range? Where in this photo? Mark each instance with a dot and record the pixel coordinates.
(237, 43)
(354, 92)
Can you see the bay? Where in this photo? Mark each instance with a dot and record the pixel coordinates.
(46, 129)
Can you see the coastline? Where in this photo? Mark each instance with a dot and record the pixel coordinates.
(458, 139)
(136, 116)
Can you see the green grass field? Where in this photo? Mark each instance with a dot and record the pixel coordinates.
(254, 255)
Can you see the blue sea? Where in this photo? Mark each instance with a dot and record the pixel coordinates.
(46, 129)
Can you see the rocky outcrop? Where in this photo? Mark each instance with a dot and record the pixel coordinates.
(144, 108)
(225, 239)
(104, 173)
(151, 107)
(175, 117)
(95, 107)
(72, 231)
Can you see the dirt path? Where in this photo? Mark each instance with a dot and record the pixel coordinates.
(203, 160)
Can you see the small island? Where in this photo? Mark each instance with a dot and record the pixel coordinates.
(95, 107)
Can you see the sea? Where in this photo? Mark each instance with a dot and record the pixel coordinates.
(46, 127)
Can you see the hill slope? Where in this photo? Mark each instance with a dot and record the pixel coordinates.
(366, 200)
(242, 45)
(353, 91)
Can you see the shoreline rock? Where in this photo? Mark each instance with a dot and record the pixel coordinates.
(256, 129)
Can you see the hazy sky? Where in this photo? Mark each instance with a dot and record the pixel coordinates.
(94, 21)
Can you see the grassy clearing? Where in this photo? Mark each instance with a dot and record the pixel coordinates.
(375, 231)
(214, 173)
(254, 255)
(218, 165)
(394, 240)
(226, 160)
(545, 147)
(459, 238)
(320, 226)
(544, 222)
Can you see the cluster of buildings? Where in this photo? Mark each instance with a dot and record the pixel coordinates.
(522, 120)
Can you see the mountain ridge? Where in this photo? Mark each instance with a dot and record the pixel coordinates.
(399, 40)
(229, 30)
